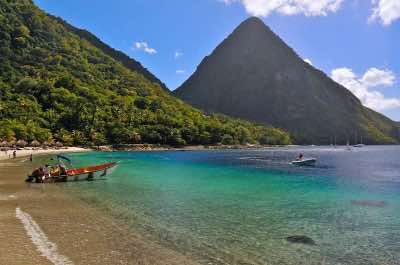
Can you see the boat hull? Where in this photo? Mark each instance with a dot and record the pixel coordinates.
(85, 173)
(91, 175)
(305, 162)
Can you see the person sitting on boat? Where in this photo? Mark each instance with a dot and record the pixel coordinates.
(46, 172)
(300, 157)
(40, 177)
(36, 176)
(63, 170)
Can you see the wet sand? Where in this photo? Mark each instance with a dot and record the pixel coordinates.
(40, 224)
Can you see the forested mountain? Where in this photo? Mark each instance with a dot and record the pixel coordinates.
(254, 75)
(128, 62)
(59, 83)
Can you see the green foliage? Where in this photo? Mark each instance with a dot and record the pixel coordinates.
(227, 139)
(13, 129)
(55, 85)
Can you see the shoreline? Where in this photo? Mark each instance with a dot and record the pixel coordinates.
(156, 147)
(26, 152)
(41, 224)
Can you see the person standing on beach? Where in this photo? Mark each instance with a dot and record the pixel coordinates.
(15, 154)
(31, 158)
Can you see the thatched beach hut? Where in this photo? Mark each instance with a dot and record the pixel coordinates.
(4, 146)
(21, 143)
(35, 143)
(12, 143)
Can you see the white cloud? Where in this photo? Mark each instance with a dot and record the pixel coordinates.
(308, 61)
(144, 47)
(360, 86)
(376, 77)
(264, 8)
(385, 11)
(180, 72)
(178, 54)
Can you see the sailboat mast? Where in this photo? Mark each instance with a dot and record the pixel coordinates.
(355, 138)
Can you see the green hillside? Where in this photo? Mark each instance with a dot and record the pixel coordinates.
(128, 62)
(56, 85)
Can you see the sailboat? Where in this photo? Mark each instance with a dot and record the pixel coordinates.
(360, 144)
(348, 146)
(333, 144)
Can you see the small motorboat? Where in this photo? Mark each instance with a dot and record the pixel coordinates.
(61, 174)
(304, 162)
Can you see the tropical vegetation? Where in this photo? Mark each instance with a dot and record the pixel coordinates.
(57, 86)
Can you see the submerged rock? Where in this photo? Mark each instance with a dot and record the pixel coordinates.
(369, 203)
(301, 240)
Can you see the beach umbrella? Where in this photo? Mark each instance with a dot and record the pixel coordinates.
(35, 143)
(21, 143)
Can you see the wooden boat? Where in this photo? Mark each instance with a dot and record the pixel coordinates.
(75, 174)
(305, 162)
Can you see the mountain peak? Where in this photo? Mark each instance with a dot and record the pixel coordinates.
(253, 74)
(252, 24)
(253, 21)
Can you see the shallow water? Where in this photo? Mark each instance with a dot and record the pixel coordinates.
(238, 207)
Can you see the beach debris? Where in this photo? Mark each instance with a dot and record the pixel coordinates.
(369, 203)
(300, 239)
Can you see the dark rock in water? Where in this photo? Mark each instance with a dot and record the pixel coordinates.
(369, 203)
(301, 240)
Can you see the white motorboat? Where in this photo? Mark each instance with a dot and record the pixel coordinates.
(304, 162)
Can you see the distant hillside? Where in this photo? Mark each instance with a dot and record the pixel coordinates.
(128, 62)
(58, 83)
(254, 75)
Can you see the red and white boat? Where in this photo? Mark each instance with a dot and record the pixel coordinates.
(61, 174)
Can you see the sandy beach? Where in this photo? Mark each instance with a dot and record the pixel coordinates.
(28, 151)
(41, 225)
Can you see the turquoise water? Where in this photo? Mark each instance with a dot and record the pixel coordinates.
(238, 207)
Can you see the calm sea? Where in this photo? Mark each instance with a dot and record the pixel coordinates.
(238, 207)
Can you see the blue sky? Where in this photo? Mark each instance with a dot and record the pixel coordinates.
(356, 42)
